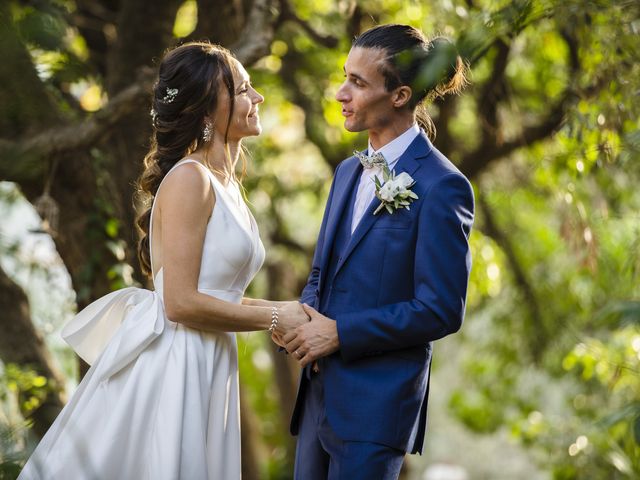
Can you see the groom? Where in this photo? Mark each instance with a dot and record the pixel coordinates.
(384, 285)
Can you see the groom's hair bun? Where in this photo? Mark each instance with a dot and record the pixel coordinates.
(432, 68)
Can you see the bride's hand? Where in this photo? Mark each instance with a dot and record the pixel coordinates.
(290, 316)
(277, 339)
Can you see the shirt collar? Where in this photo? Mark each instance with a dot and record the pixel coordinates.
(396, 147)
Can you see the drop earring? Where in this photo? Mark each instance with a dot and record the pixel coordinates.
(207, 131)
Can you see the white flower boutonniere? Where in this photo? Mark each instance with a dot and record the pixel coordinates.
(395, 192)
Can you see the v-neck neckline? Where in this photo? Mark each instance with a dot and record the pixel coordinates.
(252, 232)
(234, 205)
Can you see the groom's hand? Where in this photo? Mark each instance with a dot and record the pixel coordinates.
(313, 340)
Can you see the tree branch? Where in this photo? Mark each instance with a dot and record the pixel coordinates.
(478, 160)
(75, 136)
(492, 92)
(314, 122)
(255, 41)
(446, 111)
(220, 22)
(25, 104)
(150, 33)
(257, 35)
(94, 20)
(287, 13)
(353, 23)
(538, 333)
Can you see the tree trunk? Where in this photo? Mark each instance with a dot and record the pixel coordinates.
(286, 370)
(17, 327)
(252, 453)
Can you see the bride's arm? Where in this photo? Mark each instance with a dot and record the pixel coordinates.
(185, 203)
(258, 302)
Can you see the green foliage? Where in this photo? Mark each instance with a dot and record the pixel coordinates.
(256, 371)
(28, 387)
(552, 336)
(21, 390)
(554, 352)
(104, 230)
(60, 56)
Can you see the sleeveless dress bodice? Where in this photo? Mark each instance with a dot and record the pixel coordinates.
(232, 252)
(160, 400)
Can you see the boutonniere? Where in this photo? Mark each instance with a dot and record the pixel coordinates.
(395, 192)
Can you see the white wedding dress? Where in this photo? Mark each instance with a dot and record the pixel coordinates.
(160, 400)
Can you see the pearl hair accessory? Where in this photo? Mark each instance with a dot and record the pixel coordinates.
(170, 96)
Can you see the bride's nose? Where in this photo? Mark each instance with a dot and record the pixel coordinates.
(257, 98)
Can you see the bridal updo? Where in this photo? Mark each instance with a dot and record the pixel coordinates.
(432, 68)
(186, 91)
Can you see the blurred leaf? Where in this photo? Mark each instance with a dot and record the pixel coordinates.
(624, 414)
(43, 30)
(619, 314)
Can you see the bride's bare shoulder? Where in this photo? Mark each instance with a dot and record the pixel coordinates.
(188, 184)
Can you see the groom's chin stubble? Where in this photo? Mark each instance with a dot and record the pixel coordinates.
(352, 128)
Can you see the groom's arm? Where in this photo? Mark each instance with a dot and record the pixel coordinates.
(441, 274)
(310, 292)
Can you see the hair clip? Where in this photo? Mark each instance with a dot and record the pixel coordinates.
(170, 96)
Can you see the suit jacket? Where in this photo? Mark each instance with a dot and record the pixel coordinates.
(395, 285)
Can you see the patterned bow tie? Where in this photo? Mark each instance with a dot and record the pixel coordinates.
(370, 161)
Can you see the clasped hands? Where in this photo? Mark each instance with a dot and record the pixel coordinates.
(306, 334)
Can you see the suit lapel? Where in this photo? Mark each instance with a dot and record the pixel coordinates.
(344, 188)
(408, 163)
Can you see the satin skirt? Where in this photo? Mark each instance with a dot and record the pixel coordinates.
(160, 400)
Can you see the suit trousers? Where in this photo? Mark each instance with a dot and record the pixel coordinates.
(321, 455)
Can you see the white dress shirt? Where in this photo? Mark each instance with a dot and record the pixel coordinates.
(392, 151)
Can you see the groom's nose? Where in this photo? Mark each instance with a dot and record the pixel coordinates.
(342, 94)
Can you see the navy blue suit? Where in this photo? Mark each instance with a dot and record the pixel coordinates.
(395, 285)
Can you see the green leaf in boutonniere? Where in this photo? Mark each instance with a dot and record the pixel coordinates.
(395, 192)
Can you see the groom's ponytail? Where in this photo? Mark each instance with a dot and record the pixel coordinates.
(431, 68)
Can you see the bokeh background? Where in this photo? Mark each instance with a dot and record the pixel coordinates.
(543, 380)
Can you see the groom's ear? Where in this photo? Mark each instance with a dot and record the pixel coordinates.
(401, 96)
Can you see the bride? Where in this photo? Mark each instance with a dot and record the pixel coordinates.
(161, 398)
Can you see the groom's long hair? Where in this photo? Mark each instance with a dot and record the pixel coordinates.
(432, 68)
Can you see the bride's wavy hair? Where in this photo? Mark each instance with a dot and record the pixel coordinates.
(187, 90)
(432, 68)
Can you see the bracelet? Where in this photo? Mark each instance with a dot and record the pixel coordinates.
(274, 319)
